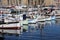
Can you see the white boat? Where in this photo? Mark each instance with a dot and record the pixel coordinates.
(24, 22)
(38, 19)
(13, 28)
(50, 18)
(47, 19)
(7, 18)
(9, 22)
(10, 19)
(41, 18)
(10, 25)
(32, 21)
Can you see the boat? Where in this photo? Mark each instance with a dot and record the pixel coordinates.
(32, 21)
(24, 22)
(41, 18)
(27, 20)
(47, 19)
(8, 22)
(11, 27)
(50, 18)
(25, 28)
(37, 19)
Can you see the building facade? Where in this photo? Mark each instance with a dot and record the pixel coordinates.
(9, 2)
(29, 2)
(52, 2)
(19, 2)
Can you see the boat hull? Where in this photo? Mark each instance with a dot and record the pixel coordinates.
(41, 20)
(8, 31)
(50, 18)
(11, 28)
(32, 21)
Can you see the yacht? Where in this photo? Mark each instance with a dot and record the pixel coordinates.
(8, 22)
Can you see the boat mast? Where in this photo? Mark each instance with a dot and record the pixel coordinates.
(39, 8)
(2, 20)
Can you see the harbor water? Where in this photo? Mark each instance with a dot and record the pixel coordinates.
(48, 30)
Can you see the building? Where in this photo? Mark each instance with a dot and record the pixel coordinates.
(52, 2)
(57, 2)
(19, 2)
(9, 2)
(35, 2)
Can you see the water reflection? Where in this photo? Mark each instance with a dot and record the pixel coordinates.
(57, 21)
(48, 30)
(10, 31)
(41, 27)
(1, 36)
